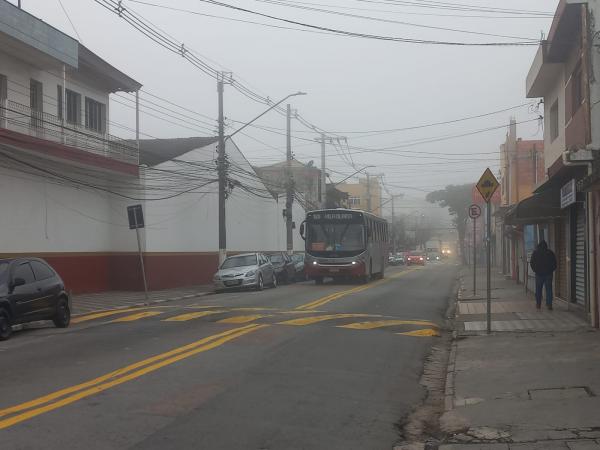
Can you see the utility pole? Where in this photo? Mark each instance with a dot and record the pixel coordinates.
(368, 191)
(393, 234)
(323, 174)
(222, 173)
(289, 202)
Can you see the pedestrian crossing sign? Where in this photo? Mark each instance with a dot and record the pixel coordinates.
(487, 185)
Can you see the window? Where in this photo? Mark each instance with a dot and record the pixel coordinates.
(36, 96)
(353, 201)
(41, 270)
(576, 90)
(554, 121)
(59, 101)
(95, 115)
(3, 88)
(73, 107)
(24, 271)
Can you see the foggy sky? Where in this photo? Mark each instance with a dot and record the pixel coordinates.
(353, 84)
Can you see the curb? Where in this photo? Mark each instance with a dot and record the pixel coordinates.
(449, 389)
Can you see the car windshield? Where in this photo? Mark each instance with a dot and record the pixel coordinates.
(276, 258)
(332, 236)
(297, 258)
(239, 261)
(416, 254)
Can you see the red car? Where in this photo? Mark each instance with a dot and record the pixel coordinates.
(415, 258)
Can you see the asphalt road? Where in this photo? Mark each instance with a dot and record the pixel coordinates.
(298, 367)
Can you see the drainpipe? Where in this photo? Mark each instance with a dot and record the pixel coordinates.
(591, 238)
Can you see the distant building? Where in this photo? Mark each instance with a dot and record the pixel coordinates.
(365, 195)
(306, 179)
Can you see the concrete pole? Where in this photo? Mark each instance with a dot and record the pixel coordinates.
(323, 174)
(221, 162)
(289, 202)
(368, 191)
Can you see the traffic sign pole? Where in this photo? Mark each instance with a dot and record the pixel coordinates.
(489, 266)
(486, 186)
(474, 257)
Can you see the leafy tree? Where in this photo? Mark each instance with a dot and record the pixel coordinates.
(457, 198)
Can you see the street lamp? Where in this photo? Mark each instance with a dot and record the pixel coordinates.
(264, 112)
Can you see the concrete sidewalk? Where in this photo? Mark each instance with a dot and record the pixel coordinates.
(531, 384)
(86, 303)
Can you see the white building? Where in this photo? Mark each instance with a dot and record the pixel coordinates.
(66, 181)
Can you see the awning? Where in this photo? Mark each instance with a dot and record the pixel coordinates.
(539, 208)
(559, 174)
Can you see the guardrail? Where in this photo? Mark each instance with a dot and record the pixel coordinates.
(23, 119)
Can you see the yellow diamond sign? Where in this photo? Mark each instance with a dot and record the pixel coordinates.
(487, 185)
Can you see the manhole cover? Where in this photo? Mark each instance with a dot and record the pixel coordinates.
(560, 393)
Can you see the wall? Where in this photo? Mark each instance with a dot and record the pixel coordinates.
(553, 148)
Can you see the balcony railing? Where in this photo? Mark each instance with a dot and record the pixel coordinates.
(23, 119)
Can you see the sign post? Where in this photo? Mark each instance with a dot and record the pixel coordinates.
(486, 186)
(474, 213)
(135, 215)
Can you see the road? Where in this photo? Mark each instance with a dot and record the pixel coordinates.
(302, 366)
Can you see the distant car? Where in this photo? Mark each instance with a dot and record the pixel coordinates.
(391, 260)
(31, 290)
(300, 273)
(434, 256)
(400, 260)
(248, 270)
(415, 258)
(396, 260)
(284, 267)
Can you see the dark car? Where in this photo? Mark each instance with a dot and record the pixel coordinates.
(283, 265)
(31, 290)
(298, 260)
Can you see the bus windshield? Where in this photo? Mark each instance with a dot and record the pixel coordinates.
(335, 237)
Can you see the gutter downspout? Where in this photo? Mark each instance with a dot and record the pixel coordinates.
(591, 248)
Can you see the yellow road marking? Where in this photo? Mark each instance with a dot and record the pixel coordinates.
(385, 323)
(253, 309)
(337, 295)
(317, 319)
(137, 316)
(421, 333)
(119, 376)
(244, 319)
(100, 315)
(192, 315)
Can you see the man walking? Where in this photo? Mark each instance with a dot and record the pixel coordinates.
(543, 263)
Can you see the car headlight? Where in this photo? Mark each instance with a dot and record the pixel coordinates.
(314, 263)
(251, 273)
(353, 263)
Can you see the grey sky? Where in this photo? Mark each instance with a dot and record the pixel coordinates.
(353, 84)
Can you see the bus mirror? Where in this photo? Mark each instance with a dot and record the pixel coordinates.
(302, 231)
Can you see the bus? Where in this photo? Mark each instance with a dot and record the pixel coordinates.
(345, 243)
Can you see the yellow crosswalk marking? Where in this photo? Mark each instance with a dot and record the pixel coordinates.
(385, 323)
(100, 315)
(138, 316)
(192, 315)
(427, 332)
(244, 319)
(317, 319)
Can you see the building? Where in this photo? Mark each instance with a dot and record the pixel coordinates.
(306, 181)
(565, 73)
(67, 181)
(521, 171)
(365, 195)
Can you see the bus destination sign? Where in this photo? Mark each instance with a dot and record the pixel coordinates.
(334, 216)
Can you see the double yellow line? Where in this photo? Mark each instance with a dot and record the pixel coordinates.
(25, 411)
(337, 295)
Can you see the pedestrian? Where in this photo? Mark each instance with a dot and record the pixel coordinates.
(543, 263)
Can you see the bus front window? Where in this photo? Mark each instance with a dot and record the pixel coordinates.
(335, 237)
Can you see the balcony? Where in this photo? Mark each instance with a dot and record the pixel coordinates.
(25, 120)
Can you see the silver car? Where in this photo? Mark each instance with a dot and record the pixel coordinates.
(249, 270)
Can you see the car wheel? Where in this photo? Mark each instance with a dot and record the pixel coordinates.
(62, 317)
(259, 284)
(5, 328)
(274, 283)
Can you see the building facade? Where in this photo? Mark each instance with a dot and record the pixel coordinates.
(365, 195)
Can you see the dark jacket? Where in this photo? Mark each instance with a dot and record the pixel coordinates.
(543, 260)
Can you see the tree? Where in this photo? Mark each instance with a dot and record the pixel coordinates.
(457, 199)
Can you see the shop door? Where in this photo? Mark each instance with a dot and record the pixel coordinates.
(562, 237)
(579, 260)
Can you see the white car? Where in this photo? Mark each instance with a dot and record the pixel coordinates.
(248, 270)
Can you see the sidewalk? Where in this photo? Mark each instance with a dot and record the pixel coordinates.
(86, 303)
(531, 384)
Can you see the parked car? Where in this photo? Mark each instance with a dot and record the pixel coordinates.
(395, 260)
(284, 267)
(415, 258)
(400, 260)
(298, 260)
(248, 270)
(31, 290)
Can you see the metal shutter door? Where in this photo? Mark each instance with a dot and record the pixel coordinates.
(579, 257)
(561, 256)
